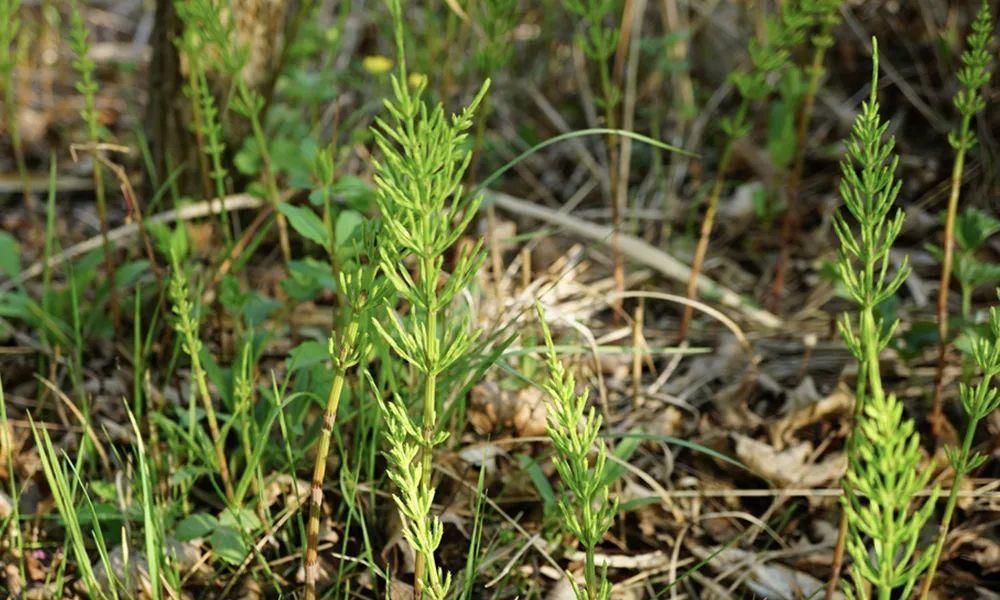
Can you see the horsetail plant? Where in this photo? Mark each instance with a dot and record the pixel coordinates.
(496, 18)
(361, 292)
(207, 18)
(822, 16)
(84, 66)
(187, 324)
(205, 121)
(969, 101)
(589, 512)
(599, 41)
(767, 58)
(10, 27)
(883, 521)
(978, 402)
(420, 196)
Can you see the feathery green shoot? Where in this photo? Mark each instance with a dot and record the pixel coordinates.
(589, 512)
(361, 292)
(883, 474)
(978, 401)
(969, 101)
(10, 28)
(186, 324)
(87, 87)
(420, 196)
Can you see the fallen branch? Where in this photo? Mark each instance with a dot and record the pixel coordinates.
(119, 234)
(639, 251)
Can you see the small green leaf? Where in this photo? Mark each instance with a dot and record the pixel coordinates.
(195, 526)
(973, 227)
(10, 255)
(229, 545)
(307, 354)
(306, 223)
(240, 519)
(537, 476)
(348, 221)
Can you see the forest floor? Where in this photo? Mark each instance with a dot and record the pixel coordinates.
(727, 446)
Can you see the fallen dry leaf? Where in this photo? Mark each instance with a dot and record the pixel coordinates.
(788, 467)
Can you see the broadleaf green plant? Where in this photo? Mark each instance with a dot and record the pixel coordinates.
(588, 512)
(883, 476)
(969, 101)
(419, 192)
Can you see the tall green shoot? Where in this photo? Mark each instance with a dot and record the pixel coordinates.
(883, 519)
(599, 40)
(419, 192)
(823, 16)
(361, 292)
(10, 28)
(969, 101)
(753, 84)
(187, 325)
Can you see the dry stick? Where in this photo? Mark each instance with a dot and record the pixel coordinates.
(639, 251)
(795, 179)
(119, 234)
(311, 564)
(936, 417)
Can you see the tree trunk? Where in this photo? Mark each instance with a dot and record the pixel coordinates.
(261, 26)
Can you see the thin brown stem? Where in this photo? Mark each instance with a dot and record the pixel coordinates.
(936, 417)
(707, 224)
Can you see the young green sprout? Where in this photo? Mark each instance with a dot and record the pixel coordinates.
(87, 86)
(424, 211)
(883, 476)
(581, 460)
(10, 28)
(187, 324)
(969, 101)
(978, 401)
(766, 59)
